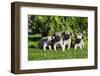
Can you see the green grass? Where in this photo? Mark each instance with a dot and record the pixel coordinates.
(33, 40)
(39, 54)
(34, 53)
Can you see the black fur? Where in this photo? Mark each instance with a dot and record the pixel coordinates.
(66, 36)
(57, 38)
(78, 40)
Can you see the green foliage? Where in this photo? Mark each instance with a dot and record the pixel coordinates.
(33, 40)
(48, 25)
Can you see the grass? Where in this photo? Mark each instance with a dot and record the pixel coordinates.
(39, 54)
(33, 40)
(35, 53)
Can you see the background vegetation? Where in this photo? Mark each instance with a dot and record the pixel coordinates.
(48, 25)
(40, 26)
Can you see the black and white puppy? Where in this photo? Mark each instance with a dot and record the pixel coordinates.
(46, 42)
(66, 40)
(58, 41)
(79, 41)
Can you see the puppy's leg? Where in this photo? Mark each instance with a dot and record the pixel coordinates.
(69, 46)
(75, 46)
(55, 47)
(44, 46)
(63, 47)
(81, 47)
(49, 47)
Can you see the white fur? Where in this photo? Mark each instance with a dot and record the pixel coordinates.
(44, 44)
(59, 43)
(68, 43)
(81, 44)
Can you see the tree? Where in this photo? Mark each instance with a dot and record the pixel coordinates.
(48, 25)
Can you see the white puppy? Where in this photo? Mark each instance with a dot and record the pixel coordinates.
(79, 41)
(67, 39)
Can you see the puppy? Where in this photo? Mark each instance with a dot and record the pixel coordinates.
(58, 41)
(79, 41)
(67, 40)
(46, 42)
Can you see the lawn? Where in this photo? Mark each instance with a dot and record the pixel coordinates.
(39, 54)
(34, 53)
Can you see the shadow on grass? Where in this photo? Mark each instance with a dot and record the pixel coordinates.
(31, 46)
(34, 38)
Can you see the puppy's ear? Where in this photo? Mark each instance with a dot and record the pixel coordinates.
(53, 37)
(63, 33)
